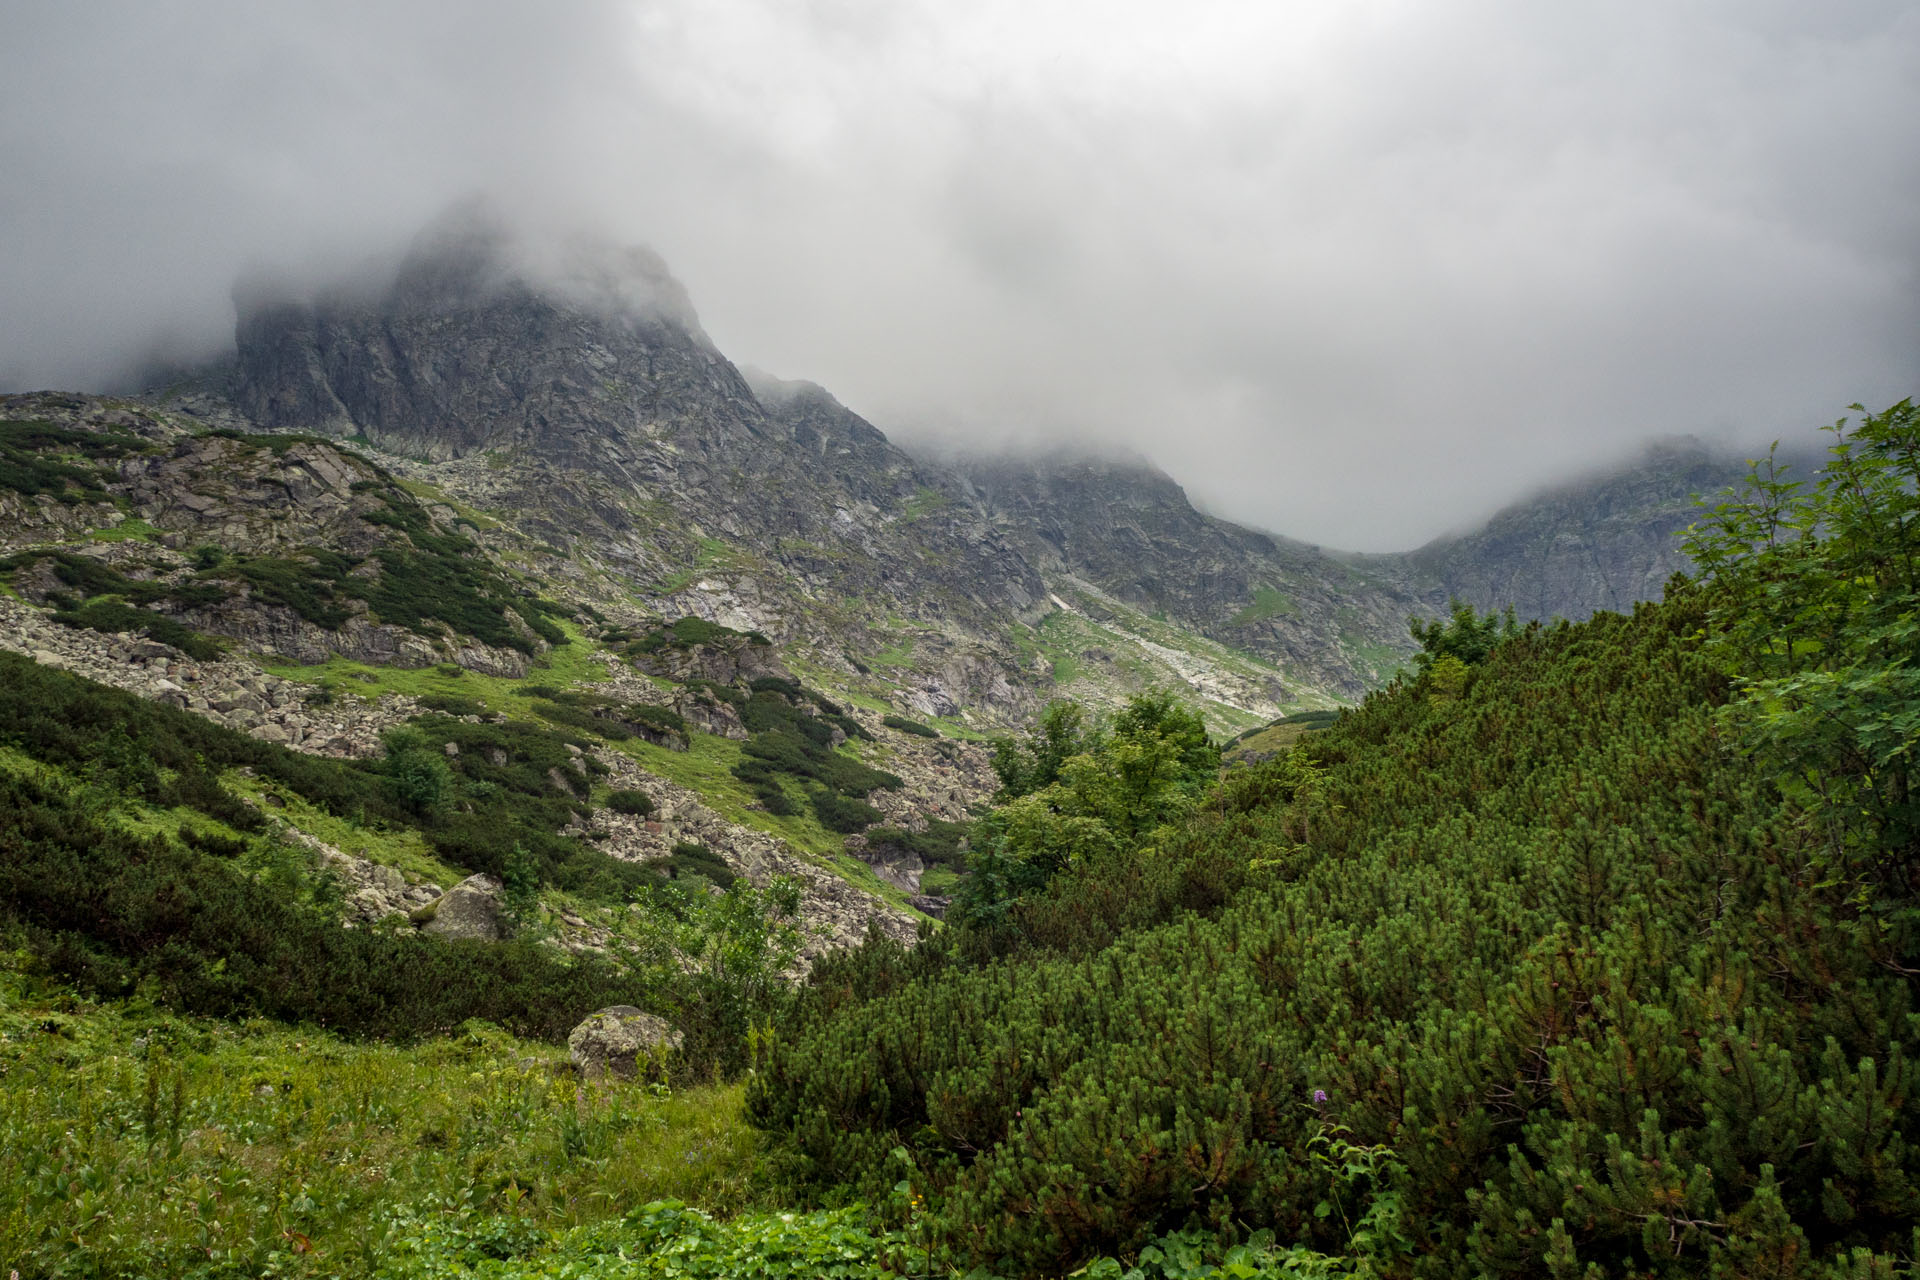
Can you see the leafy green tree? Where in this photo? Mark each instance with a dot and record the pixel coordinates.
(1465, 634)
(520, 882)
(417, 775)
(716, 964)
(1026, 766)
(1103, 791)
(1813, 613)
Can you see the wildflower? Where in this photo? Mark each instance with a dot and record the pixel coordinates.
(1319, 1097)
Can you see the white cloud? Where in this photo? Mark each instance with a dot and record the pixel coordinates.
(1395, 261)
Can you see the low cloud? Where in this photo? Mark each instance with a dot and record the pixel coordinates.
(1357, 272)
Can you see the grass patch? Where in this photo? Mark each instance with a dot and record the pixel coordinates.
(1059, 636)
(434, 494)
(1267, 603)
(126, 531)
(1379, 663)
(567, 666)
(712, 554)
(403, 849)
(924, 503)
(940, 881)
(898, 653)
(136, 1143)
(959, 729)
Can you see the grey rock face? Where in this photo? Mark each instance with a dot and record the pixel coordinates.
(612, 405)
(731, 662)
(346, 727)
(1129, 530)
(258, 497)
(471, 909)
(1601, 543)
(620, 1041)
(899, 867)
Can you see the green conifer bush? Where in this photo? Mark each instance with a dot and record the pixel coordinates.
(1552, 940)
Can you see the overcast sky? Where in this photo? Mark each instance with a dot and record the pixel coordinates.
(1355, 271)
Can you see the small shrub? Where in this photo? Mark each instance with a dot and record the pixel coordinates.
(690, 859)
(114, 618)
(914, 727)
(638, 803)
(660, 719)
(24, 471)
(942, 844)
(454, 704)
(419, 778)
(776, 684)
(212, 842)
(845, 814)
(691, 631)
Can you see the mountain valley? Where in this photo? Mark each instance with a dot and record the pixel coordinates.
(470, 653)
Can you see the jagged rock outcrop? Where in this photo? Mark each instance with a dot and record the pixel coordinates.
(233, 692)
(734, 661)
(302, 535)
(585, 365)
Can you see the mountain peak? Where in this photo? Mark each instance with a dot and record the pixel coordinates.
(474, 254)
(494, 334)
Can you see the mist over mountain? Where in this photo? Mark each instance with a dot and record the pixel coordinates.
(577, 374)
(1357, 280)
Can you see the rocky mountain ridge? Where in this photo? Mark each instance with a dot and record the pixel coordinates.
(587, 407)
(613, 429)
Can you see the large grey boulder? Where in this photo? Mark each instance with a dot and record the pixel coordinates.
(471, 909)
(621, 1041)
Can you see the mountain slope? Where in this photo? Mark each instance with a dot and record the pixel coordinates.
(1526, 975)
(562, 394)
(1130, 530)
(1604, 542)
(568, 391)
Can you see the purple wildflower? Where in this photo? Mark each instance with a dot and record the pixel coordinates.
(1319, 1097)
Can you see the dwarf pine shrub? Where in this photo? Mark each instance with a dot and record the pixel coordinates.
(1552, 941)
